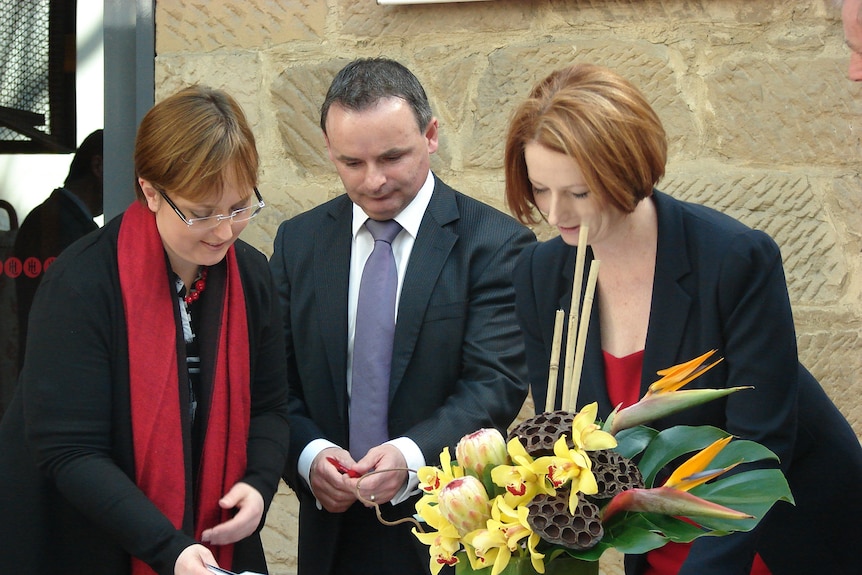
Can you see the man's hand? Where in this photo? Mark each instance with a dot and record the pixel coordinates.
(194, 560)
(380, 487)
(249, 505)
(332, 488)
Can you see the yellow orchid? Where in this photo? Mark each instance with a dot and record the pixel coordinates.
(588, 436)
(489, 549)
(518, 453)
(522, 481)
(693, 472)
(430, 512)
(494, 546)
(433, 479)
(513, 522)
(572, 466)
(443, 544)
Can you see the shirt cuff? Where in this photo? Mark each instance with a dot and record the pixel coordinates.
(414, 458)
(306, 458)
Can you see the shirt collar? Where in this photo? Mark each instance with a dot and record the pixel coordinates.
(410, 218)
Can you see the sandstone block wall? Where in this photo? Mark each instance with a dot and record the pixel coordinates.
(763, 123)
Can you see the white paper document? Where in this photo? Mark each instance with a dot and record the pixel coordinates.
(220, 571)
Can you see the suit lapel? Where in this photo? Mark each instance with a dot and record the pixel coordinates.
(332, 244)
(671, 303)
(429, 255)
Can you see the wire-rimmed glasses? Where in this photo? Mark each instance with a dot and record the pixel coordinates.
(209, 222)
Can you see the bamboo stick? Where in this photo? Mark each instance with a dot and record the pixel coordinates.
(574, 309)
(554, 367)
(583, 328)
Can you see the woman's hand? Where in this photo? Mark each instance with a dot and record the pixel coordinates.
(194, 560)
(249, 505)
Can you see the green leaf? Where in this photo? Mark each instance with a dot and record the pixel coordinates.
(631, 442)
(633, 533)
(673, 443)
(561, 565)
(753, 492)
(490, 487)
(676, 529)
(677, 441)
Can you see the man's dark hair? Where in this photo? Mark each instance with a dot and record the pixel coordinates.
(363, 82)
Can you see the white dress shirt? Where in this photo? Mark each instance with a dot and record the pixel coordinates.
(410, 218)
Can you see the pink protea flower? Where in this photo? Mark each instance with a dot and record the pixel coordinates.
(464, 503)
(480, 449)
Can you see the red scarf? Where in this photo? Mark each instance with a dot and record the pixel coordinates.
(153, 379)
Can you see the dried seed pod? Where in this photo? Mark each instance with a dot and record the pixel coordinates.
(549, 517)
(539, 433)
(614, 473)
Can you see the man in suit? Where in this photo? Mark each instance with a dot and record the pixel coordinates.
(53, 225)
(851, 16)
(457, 363)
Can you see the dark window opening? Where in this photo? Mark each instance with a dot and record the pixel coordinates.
(37, 76)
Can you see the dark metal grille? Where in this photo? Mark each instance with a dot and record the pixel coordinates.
(37, 76)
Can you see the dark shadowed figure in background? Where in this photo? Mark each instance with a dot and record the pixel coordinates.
(53, 225)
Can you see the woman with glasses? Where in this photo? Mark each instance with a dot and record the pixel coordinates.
(149, 428)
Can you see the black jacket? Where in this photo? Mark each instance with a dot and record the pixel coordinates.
(458, 358)
(66, 456)
(720, 285)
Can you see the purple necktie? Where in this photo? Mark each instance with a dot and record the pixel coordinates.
(372, 342)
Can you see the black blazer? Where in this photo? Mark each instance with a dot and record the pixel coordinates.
(67, 488)
(458, 359)
(719, 284)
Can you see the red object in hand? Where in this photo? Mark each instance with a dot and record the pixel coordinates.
(340, 467)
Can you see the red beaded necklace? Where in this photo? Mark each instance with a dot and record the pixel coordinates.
(197, 288)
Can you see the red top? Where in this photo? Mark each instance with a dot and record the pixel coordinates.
(623, 379)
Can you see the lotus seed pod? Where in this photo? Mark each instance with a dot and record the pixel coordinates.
(614, 473)
(539, 433)
(549, 517)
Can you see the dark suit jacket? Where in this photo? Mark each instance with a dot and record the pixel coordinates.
(458, 359)
(47, 230)
(719, 284)
(67, 488)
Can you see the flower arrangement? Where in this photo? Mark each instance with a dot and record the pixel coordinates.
(565, 486)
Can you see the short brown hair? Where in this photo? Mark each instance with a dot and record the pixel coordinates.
(598, 119)
(191, 142)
